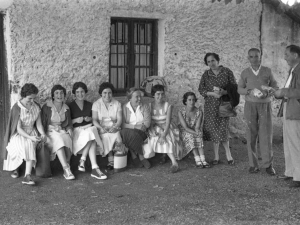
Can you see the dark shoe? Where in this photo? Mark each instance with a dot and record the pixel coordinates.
(284, 177)
(109, 167)
(270, 170)
(295, 184)
(27, 180)
(15, 174)
(146, 163)
(216, 162)
(174, 168)
(97, 173)
(253, 170)
(205, 164)
(163, 159)
(230, 162)
(137, 163)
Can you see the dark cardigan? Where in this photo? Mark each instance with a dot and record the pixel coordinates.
(46, 118)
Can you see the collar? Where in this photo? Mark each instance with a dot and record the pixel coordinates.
(110, 104)
(64, 107)
(294, 67)
(257, 71)
(23, 107)
(128, 105)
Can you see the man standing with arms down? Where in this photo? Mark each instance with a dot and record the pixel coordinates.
(256, 83)
(290, 110)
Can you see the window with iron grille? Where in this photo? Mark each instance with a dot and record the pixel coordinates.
(133, 52)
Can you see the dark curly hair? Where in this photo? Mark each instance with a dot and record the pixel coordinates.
(157, 87)
(294, 49)
(215, 55)
(186, 95)
(57, 87)
(79, 85)
(104, 86)
(28, 89)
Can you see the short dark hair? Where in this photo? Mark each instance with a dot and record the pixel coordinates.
(104, 86)
(57, 87)
(79, 85)
(294, 49)
(186, 95)
(215, 55)
(254, 50)
(28, 89)
(157, 87)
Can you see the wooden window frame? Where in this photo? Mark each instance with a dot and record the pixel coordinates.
(130, 66)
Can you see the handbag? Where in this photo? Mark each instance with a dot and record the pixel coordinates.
(226, 110)
(147, 150)
(42, 168)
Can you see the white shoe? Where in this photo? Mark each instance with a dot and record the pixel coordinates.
(68, 174)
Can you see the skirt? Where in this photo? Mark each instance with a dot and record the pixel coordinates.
(109, 139)
(56, 140)
(133, 139)
(82, 135)
(172, 144)
(20, 148)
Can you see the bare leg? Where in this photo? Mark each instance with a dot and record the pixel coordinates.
(62, 156)
(227, 149)
(92, 154)
(28, 169)
(172, 157)
(216, 150)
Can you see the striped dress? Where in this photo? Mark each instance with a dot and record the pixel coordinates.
(173, 143)
(21, 148)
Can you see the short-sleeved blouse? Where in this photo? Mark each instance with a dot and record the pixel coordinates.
(111, 112)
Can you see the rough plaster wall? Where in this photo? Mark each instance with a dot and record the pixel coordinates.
(61, 41)
(278, 31)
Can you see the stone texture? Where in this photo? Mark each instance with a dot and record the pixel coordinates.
(64, 41)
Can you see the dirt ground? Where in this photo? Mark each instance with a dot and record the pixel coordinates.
(222, 194)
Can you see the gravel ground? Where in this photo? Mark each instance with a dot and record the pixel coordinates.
(222, 194)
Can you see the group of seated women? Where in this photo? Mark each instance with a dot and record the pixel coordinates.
(91, 129)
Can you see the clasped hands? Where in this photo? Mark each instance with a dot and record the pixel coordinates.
(38, 138)
(218, 92)
(112, 129)
(81, 119)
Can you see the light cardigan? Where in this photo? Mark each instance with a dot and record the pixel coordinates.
(145, 110)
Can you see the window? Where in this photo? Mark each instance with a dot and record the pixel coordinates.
(133, 52)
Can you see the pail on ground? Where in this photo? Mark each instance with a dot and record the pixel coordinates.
(120, 162)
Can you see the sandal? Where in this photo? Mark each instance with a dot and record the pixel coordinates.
(205, 164)
(199, 164)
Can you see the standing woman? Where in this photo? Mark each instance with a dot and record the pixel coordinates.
(21, 134)
(107, 117)
(136, 120)
(211, 87)
(57, 123)
(191, 123)
(86, 137)
(163, 138)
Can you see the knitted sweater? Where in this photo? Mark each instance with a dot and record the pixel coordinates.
(249, 80)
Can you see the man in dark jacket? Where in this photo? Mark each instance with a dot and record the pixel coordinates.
(254, 84)
(290, 110)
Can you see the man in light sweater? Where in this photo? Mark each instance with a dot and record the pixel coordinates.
(256, 83)
(290, 110)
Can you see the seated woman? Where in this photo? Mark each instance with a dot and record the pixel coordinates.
(86, 137)
(57, 123)
(21, 135)
(191, 122)
(107, 117)
(163, 137)
(136, 120)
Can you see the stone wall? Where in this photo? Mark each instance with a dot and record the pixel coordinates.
(63, 41)
(278, 31)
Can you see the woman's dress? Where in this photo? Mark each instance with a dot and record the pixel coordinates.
(190, 141)
(83, 132)
(215, 128)
(107, 116)
(57, 136)
(19, 147)
(158, 121)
